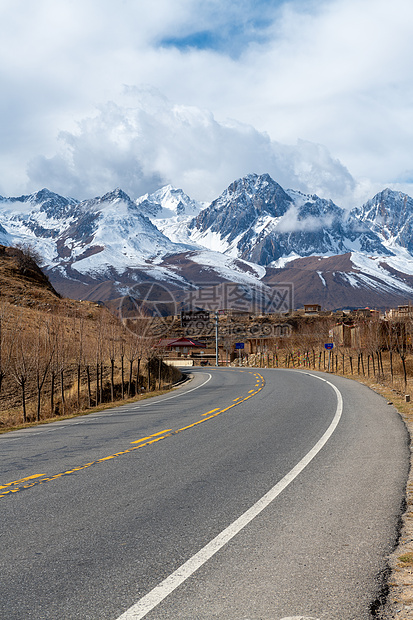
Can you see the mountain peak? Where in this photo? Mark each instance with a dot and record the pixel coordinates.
(254, 219)
(44, 194)
(241, 204)
(254, 182)
(390, 214)
(116, 194)
(167, 202)
(116, 198)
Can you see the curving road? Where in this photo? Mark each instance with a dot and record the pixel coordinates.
(245, 494)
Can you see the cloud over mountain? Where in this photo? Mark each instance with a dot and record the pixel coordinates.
(152, 142)
(103, 247)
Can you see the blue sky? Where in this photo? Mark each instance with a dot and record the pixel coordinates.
(229, 28)
(95, 95)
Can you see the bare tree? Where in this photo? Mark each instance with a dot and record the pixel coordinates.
(98, 359)
(111, 340)
(6, 345)
(402, 337)
(21, 367)
(79, 330)
(61, 360)
(390, 342)
(122, 352)
(43, 355)
(28, 255)
(56, 336)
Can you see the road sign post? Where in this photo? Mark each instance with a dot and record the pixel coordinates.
(216, 340)
(329, 346)
(239, 346)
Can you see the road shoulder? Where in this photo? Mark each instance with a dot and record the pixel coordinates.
(398, 591)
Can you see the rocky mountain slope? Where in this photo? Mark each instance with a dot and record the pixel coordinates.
(254, 232)
(390, 215)
(257, 220)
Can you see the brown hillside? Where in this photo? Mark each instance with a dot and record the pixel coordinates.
(22, 282)
(60, 356)
(325, 281)
(23, 285)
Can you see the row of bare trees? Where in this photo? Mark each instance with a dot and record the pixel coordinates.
(382, 348)
(52, 364)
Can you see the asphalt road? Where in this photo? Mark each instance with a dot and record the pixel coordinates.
(92, 522)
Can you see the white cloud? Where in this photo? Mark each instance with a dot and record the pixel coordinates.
(341, 76)
(154, 142)
(298, 73)
(291, 222)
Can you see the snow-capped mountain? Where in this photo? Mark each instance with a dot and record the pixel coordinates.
(108, 232)
(112, 233)
(98, 248)
(169, 202)
(43, 214)
(255, 219)
(346, 280)
(5, 238)
(170, 209)
(390, 215)
(255, 232)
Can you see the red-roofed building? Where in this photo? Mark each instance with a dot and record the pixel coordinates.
(183, 349)
(180, 343)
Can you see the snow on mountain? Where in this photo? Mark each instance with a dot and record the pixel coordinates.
(47, 203)
(37, 219)
(97, 234)
(229, 268)
(170, 210)
(255, 219)
(43, 213)
(113, 233)
(374, 272)
(390, 215)
(347, 280)
(5, 238)
(227, 225)
(169, 202)
(254, 231)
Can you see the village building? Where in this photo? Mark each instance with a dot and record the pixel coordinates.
(312, 309)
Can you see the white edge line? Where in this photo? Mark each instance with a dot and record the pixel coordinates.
(176, 395)
(166, 587)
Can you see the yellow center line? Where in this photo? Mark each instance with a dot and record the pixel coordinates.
(9, 484)
(235, 400)
(212, 411)
(146, 441)
(150, 436)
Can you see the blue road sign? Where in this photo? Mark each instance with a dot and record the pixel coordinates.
(239, 345)
(329, 345)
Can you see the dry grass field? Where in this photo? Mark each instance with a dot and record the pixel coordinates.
(58, 356)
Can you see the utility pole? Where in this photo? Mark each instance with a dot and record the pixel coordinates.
(216, 340)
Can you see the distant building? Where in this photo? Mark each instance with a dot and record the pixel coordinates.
(342, 335)
(367, 312)
(400, 312)
(312, 308)
(180, 345)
